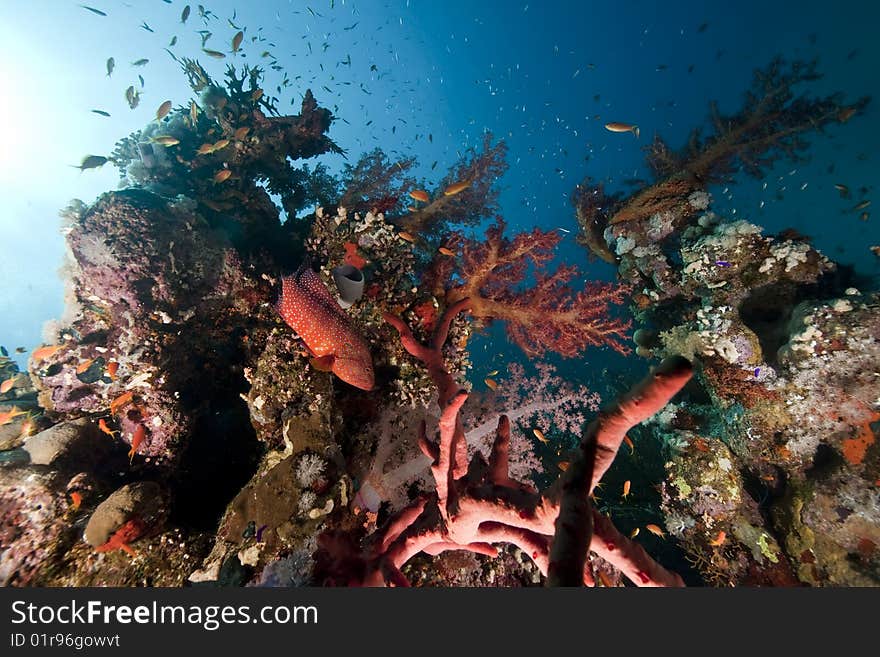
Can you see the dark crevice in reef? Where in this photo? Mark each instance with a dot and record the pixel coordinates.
(767, 311)
(221, 457)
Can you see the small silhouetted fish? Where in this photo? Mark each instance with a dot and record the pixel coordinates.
(702, 27)
(213, 53)
(173, 41)
(184, 14)
(852, 54)
(236, 41)
(94, 11)
(140, 62)
(146, 27)
(132, 96)
(91, 162)
(101, 112)
(110, 64)
(166, 140)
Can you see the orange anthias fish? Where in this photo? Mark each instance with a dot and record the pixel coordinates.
(622, 127)
(121, 401)
(112, 366)
(419, 195)
(75, 499)
(28, 428)
(407, 237)
(7, 416)
(457, 188)
(491, 383)
(45, 352)
(654, 529)
(309, 309)
(447, 252)
(6, 386)
(626, 486)
(84, 366)
(540, 435)
(102, 425)
(139, 434)
(629, 442)
(129, 532)
(718, 540)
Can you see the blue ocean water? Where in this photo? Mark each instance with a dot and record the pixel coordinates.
(428, 79)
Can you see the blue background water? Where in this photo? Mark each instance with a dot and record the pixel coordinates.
(545, 76)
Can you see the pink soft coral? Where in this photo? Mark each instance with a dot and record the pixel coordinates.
(547, 316)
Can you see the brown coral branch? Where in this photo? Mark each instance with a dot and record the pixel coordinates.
(769, 125)
(477, 201)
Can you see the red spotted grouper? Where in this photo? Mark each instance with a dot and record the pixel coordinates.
(309, 309)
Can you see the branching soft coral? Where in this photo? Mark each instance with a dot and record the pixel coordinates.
(375, 183)
(593, 208)
(772, 123)
(477, 201)
(547, 316)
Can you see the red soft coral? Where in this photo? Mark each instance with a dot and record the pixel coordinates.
(549, 315)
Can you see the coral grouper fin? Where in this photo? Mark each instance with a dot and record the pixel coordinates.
(309, 309)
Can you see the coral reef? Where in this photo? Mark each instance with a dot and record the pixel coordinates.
(477, 504)
(792, 399)
(157, 292)
(771, 462)
(191, 420)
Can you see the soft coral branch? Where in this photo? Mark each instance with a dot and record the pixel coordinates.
(550, 315)
(773, 123)
(479, 200)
